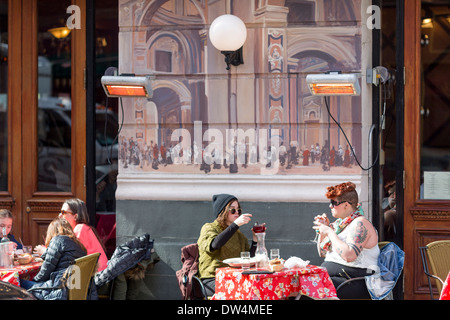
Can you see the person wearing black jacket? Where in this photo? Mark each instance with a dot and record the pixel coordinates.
(62, 249)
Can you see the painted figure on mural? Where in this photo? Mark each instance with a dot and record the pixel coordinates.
(332, 157)
(306, 154)
(282, 154)
(155, 156)
(163, 153)
(317, 152)
(347, 157)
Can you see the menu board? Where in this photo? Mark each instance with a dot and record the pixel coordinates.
(436, 185)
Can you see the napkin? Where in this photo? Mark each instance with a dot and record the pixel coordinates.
(295, 262)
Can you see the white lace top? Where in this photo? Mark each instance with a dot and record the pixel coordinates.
(368, 258)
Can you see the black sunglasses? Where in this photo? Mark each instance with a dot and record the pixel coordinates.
(233, 211)
(335, 203)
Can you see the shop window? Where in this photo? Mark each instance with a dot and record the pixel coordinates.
(3, 95)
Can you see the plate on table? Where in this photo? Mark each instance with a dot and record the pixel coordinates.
(237, 262)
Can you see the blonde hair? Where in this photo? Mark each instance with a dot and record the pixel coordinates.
(5, 213)
(61, 227)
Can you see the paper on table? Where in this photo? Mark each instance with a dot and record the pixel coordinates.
(295, 262)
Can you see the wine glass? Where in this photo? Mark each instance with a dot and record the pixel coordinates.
(320, 219)
(316, 238)
(259, 228)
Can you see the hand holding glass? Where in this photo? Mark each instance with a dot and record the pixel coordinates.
(319, 219)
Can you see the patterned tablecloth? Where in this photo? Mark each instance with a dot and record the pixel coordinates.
(311, 281)
(27, 272)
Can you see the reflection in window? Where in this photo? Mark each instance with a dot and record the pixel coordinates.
(3, 95)
(435, 111)
(54, 97)
(106, 123)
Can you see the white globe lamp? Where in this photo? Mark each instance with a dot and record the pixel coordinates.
(228, 34)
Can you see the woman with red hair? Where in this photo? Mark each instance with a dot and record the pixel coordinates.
(349, 244)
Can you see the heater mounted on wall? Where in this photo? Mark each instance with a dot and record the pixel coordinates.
(334, 84)
(127, 86)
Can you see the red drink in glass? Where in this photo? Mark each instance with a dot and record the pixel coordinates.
(259, 228)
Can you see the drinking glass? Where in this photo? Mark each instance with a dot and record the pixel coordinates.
(321, 220)
(28, 249)
(316, 238)
(245, 260)
(259, 228)
(274, 254)
(11, 250)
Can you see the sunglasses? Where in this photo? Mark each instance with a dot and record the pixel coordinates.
(233, 211)
(335, 203)
(65, 212)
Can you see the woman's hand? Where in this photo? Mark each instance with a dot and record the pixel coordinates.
(40, 249)
(322, 228)
(322, 224)
(243, 219)
(322, 219)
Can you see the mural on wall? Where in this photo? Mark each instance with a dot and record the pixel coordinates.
(257, 118)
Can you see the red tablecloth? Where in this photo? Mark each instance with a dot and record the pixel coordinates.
(445, 293)
(311, 281)
(26, 272)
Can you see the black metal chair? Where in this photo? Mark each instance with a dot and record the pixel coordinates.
(198, 289)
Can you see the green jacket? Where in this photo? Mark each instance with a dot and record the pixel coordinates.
(208, 260)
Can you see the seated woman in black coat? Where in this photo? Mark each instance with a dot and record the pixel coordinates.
(62, 249)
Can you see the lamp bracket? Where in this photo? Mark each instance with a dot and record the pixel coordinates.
(377, 75)
(233, 57)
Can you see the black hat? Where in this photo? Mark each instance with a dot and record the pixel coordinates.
(220, 201)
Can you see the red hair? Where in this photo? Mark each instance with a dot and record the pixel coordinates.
(343, 192)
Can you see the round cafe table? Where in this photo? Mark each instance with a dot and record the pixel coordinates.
(311, 281)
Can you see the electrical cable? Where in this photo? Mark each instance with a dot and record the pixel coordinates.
(351, 147)
(109, 154)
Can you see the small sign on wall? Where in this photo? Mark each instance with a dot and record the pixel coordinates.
(436, 185)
